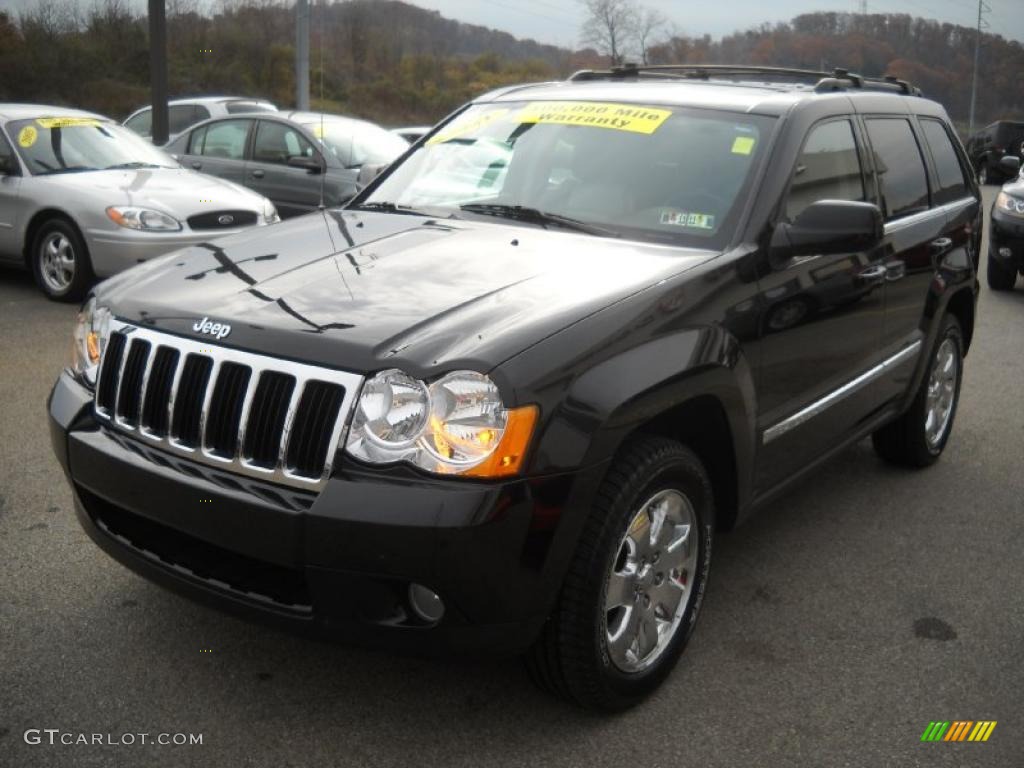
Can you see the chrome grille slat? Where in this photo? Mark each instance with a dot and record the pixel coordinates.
(250, 420)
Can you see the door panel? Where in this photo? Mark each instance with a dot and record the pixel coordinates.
(820, 322)
(10, 246)
(293, 191)
(218, 148)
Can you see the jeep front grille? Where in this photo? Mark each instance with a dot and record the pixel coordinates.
(256, 415)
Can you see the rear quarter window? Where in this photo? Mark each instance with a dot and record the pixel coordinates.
(902, 178)
(952, 183)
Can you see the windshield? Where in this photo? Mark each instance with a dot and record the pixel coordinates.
(66, 144)
(666, 174)
(355, 144)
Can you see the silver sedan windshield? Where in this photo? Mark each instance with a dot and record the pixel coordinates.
(67, 144)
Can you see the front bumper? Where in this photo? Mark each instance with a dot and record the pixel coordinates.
(1006, 239)
(112, 251)
(339, 563)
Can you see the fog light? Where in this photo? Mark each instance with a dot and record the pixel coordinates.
(425, 603)
(1005, 253)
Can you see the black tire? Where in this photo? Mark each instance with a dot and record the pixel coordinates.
(999, 276)
(571, 658)
(82, 275)
(905, 441)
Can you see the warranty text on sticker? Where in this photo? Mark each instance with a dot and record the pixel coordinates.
(66, 122)
(619, 117)
(27, 136)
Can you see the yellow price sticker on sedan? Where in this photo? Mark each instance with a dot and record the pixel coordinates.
(27, 137)
(618, 117)
(743, 145)
(66, 122)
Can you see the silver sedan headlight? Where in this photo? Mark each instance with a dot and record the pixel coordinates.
(92, 329)
(457, 425)
(145, 219)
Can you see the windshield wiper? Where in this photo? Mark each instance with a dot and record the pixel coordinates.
(388, 207)
(537, 216)
(131, 165)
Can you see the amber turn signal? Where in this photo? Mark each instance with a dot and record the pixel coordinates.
(507, 458)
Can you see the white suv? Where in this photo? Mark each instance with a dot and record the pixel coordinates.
(184, 113)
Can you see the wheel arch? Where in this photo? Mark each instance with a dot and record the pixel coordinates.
(962, 306)
(38, 219)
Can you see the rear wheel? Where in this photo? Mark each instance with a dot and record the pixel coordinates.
(60, 261)
(633, 592)
(918, 437)
(1001, 277)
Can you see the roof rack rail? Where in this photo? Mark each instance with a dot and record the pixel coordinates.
(837, 79)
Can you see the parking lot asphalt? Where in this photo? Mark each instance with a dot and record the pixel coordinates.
(838, 623)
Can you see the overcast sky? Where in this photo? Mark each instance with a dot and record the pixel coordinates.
(558, 21)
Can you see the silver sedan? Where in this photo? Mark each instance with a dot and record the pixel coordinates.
(81, 197)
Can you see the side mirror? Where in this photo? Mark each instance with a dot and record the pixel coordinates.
(9, 166)
(830, 226)
(368, 172)
(1009, 165)
(311, 164)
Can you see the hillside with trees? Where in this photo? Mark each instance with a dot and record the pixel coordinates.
(395, 63)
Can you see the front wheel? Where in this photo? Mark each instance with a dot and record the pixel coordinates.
(60, 261)
(633, 592)
(918, 437)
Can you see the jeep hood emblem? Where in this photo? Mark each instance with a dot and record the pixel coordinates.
(217, 330)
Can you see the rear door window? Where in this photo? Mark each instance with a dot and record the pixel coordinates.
(902, 178)
(225, 139)
(952, 184)
(828, 168)
(180, 117)
(141, 123)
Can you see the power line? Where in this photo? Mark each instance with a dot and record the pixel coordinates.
(982, 24)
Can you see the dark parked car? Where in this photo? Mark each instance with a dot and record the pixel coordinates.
(506, 399)
(990, 145)
(291, 157)
(1006, 236)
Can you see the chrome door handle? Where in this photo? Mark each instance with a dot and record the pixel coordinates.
(197, 165)
(257, 174)
(942, 244)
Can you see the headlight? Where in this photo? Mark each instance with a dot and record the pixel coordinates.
(270, 213)
(92, 328)
(1009, 204)
(147, 219)
(456, 425)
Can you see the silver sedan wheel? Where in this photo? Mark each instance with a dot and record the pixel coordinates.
(57, 262)
(941, 392)
(651, 581)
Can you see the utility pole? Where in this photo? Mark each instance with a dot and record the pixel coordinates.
(302, 55)
(982, 24)
(862, 7)
(158, 71)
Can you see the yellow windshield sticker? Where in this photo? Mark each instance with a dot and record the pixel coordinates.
(619, 117)
(743, 145)
(27, 136)
(461, 127)
(66, 122)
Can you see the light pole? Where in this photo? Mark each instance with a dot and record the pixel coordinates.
(982, 24)
(302, 55)
(158, 71)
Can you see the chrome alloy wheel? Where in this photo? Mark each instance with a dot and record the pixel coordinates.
(57, 262)
(651, 580)
(941, 393)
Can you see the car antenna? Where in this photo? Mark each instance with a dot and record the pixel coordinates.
(323, 144)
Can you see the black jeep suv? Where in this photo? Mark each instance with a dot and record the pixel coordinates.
(504, 400)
